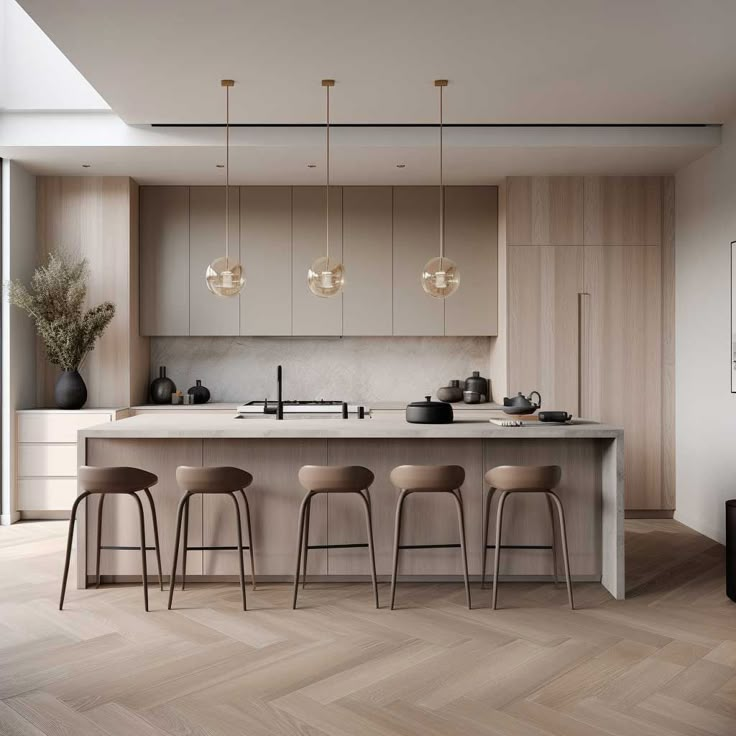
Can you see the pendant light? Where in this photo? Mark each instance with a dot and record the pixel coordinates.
(440, 276)
(225, 276)
(326, 278)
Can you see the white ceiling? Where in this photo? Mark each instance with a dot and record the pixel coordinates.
(359, 155)
(508, 61)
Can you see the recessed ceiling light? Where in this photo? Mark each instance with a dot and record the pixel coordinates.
(86, 166)
(311, 166)
(220, 166)
(400, 166)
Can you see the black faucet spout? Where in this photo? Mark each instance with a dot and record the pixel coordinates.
(280, 398)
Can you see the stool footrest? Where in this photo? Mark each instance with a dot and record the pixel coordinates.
(212, 549)
(115, 546)
(520, 546)
(335, 546)
(428, 546)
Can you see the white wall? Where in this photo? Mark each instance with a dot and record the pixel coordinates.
(18, 334)
(365, 369)
(705, 406)
(34, 74)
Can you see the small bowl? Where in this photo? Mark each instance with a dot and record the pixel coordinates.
(471, 397)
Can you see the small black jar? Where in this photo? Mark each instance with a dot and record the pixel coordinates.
(200, 394)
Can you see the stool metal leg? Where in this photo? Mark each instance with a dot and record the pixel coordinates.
(179, 516)
(144, 570)
(486, 524)
(250, 538)
(100, 505)
(461, 523)
(563, 534)
(499, 520)
(70, 535)
(365, 495)
(397, 541)
(307, 519)
(300, 543)
(155, 536)
(184, 548)
(554, 546)
(240, 547)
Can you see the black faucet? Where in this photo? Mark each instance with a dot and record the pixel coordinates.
(279, 398)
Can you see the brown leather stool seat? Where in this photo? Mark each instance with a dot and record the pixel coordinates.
(316, 479)
(510, 479)
(428, 479)
(223, 480)
(120, 480)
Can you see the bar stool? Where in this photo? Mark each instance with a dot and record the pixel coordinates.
(222, 480)
(524, 479)
(428, 479)
(316, 479)
(101, 481)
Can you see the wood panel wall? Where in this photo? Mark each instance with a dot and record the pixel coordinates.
(97, 218)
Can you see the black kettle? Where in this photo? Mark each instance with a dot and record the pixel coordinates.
(521, 404)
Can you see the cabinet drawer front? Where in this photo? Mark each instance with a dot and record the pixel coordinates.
(46, 494)
(47, 460)
(56, 427)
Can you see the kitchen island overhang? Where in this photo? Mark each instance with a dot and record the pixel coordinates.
(592, 492)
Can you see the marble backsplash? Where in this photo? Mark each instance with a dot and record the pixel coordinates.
(361, 369)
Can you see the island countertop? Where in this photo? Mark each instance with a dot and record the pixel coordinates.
(380, 426)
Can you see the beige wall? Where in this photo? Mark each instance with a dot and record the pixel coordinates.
(705, 225)
(97, 217)
(18, 334)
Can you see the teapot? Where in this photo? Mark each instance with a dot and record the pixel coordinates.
(521, 404)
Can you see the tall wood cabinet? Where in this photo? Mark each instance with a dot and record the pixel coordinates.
(383, 235)
(588, 320)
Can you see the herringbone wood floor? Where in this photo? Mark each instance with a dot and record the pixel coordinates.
(662, 662)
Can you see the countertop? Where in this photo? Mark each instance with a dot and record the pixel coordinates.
(167, 425)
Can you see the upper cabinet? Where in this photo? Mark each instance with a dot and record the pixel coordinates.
(591, 210)
(313, 315)
(544, 210)
(164, 261)
(210, 314)
(471, 240)
(623, 210)
(416, 240)
(265, 253)
(367, 221)
(382, 235)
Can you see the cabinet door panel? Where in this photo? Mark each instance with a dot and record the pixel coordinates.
(623, 210)
(544, 283)
(164, 260)
(313, 315)
(622, 370)
(210, 314)
(368, 253)
(471, 240)
(544, 210)
(265, 252)
(416, 240)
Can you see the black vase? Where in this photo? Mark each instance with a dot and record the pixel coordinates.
(162, 388)
(70, 391)
(200, 394)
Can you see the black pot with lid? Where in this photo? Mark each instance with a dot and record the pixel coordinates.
(429, 412)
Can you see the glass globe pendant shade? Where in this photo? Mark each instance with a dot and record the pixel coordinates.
(225, 277)
(324, 278)
(440, 277)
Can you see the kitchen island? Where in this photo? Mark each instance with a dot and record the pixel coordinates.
(590, 454)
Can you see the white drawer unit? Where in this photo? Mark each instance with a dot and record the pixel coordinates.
(46, 456)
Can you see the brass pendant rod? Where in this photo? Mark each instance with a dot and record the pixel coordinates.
(442, 186)
(328, 178)
(227, 176)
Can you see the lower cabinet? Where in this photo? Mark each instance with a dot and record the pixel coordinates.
(585, 330)
(46, 456)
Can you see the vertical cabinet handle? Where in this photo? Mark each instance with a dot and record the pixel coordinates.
(582, 347)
